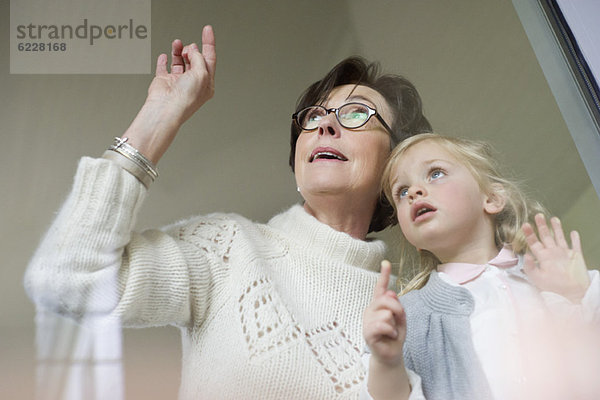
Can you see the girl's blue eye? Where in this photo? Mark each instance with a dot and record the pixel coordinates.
(402, 193)
(437, 174)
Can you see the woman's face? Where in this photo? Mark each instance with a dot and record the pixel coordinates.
(335, 160)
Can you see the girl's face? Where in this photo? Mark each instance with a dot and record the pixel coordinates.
(440, 205)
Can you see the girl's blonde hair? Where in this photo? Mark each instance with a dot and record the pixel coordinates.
(478, 157)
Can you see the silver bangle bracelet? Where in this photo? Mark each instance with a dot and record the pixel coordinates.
(132, 160)
(132, 167)
(121, 146)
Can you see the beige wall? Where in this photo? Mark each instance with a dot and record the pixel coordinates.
(578, 218)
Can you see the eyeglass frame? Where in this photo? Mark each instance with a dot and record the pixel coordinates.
(328, 111)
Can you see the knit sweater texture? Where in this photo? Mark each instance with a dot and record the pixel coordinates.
(266, 311)
(438, 345)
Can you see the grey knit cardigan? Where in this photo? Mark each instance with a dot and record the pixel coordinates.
(438, 343)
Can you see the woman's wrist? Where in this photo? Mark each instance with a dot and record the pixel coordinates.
(130, 159)
(153, 129)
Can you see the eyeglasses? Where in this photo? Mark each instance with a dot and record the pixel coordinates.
(350, 116)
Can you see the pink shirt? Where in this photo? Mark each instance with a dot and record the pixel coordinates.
(513, 326)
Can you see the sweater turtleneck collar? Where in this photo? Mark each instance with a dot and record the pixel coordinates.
(309, 232)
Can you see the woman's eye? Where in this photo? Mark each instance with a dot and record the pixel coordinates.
(313, 117)
(355, 115)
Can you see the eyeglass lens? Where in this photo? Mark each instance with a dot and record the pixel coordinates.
(351, 115)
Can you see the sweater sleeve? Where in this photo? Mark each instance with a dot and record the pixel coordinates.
(91, 263)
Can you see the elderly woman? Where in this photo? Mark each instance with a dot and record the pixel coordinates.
(265, 310)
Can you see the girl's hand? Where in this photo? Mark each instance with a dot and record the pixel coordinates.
(384, 322)
(551, 264)
(173, 97)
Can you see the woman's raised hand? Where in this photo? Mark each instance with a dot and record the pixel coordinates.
(191, 81)
(174, 96)
(551, 264)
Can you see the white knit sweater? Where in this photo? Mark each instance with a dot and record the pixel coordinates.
(266, 311)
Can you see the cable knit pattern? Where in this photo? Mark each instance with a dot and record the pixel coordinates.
(266, 311)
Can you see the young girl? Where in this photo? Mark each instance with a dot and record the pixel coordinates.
(490, 314)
